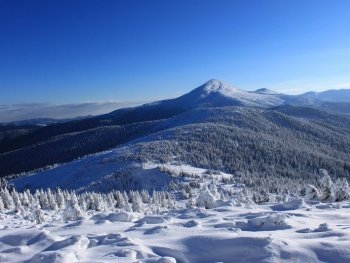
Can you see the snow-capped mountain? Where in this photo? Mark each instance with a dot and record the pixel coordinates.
(216, 93)
(63, 142)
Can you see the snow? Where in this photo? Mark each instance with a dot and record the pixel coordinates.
(95, 173)
(246, 98)
(266, 91)
(205, 228)
(295, 231)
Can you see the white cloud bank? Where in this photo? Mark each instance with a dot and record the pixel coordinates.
(17, 112)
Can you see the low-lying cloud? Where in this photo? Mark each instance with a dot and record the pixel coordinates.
(18, 112)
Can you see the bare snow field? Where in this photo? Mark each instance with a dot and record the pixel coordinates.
(293, 231)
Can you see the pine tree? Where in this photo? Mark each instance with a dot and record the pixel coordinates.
(110, 201)
(82, 202)
(72, 209)
(43, 201)
(326, 187)
(120, 201)
(7, 199)
(38, 216)
(341, 189)
(16, 201)
(2, 207)
(145, 196)
(136, 201)
(127, 203)
(25, 199)
(99, 202)
(52, 203)
(60, 199)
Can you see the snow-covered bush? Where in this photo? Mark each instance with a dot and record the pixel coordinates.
(206, 199)
(311, 192)
(72, 211)
(261, 196)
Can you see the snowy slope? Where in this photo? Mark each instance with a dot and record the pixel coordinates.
(266, 91)
(97, 172)
(342, 95)
(289, 232)
(240, 128)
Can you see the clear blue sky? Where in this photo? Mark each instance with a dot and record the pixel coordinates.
(82, 50)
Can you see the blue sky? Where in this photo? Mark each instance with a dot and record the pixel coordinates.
(83, 50)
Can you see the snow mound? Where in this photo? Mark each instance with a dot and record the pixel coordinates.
(290, 205)
(204, 249)
(191, 223)
(53, 256)
(124, 253)
(166, 260)
(25, 238)
(198, 235)
(151, 220)
(323, 228)
(267, 223)
(113, 217)
(77, 241)
(156, 230)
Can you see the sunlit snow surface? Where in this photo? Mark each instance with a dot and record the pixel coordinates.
(293, 231)
(290, 232)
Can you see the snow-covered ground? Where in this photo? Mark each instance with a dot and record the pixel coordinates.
(231, 229)
(294, 231)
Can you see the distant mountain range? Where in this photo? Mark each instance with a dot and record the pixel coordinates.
(215, 126)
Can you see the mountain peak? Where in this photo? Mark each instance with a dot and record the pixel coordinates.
(215, 93)
(215, 85)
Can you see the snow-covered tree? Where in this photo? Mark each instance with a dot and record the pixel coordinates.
(38, 216)
(120, 201)
(2, 207)
(7, 199)
(110, 201)
(341, 190)
(25, 199)
(145, 196)
(72, 211)
(136, 201)
(100, 204)
(326, 187)
(60, 199)
(16, 201)
(52, 203)
(127, 203)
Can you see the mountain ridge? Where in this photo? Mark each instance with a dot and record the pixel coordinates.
(112, 129)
